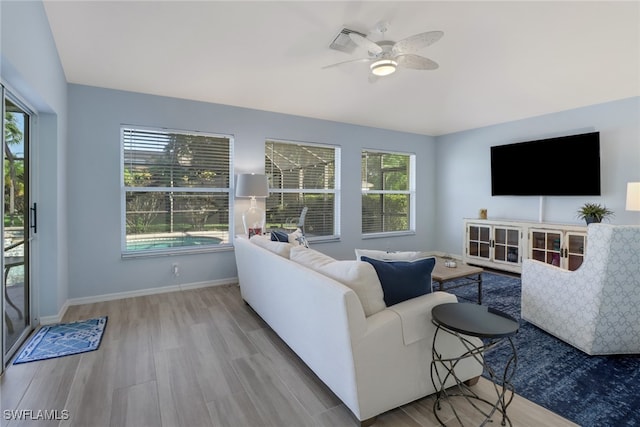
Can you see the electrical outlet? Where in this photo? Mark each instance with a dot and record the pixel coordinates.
(175, 269)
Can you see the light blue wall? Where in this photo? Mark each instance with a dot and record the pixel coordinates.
(30, 67)
(464, 180)
(96, 114)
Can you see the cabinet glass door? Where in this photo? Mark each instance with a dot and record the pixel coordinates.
(546, 247)
(576, 244)
(507, 244)
(479, 241)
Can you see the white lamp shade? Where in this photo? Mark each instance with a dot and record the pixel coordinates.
(633, 196)
(252, 185)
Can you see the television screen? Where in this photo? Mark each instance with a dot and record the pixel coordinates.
(563, 166)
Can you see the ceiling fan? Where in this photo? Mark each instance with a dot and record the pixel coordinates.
(385, 56)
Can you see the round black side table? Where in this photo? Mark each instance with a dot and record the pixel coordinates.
(493, 327)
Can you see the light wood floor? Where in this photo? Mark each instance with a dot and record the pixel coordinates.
(197, 358)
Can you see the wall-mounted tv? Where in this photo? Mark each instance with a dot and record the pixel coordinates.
(562, 166)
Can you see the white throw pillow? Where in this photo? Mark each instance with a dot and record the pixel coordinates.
(362, 278)
(297, 238)
(309, 257)
(391, 256)
(357, 275)
(280, 248)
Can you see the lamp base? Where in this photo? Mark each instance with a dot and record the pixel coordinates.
(253, 221)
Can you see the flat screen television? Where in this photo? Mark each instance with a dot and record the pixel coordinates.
(562, 166)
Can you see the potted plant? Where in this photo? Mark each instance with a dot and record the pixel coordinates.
(594, 212)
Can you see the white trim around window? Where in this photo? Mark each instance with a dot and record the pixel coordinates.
(176, 191)
(388, 190)
(303, 174)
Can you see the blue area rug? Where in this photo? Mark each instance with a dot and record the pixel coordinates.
(588, 390)
(63, 339)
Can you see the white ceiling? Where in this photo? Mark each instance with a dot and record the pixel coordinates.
(499, 61)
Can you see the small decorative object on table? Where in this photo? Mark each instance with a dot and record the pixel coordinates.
(482, 214)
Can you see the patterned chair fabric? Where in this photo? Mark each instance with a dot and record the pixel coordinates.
(595, 308)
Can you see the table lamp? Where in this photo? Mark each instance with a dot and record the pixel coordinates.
(253, 185)
(633, 196)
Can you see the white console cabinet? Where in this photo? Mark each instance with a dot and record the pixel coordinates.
(503, 244)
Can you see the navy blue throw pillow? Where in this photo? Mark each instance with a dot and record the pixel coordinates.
(403, 280)
(279, 236)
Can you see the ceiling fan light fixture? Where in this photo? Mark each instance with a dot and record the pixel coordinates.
(383, 67)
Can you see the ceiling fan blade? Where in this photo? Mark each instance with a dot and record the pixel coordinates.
(416, 42)
(347, 62)
(365, 43)
(416, 62)
(373, 78)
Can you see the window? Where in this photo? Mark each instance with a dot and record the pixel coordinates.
(388, 191)
(175, 190)
(303, 175)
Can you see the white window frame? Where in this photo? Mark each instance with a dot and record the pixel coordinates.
(411, 192)
(336, 191)
(125, 189)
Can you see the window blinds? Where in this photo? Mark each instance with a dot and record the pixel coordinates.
(175, 160)
(302, 175)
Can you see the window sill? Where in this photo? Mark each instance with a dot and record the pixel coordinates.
(323, 239)
(175, 251)
(388, 234)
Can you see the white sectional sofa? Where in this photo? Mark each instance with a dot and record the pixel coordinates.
(373, 362)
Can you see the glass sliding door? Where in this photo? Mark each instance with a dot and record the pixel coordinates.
(15, 227)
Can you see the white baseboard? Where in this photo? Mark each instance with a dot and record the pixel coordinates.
(48, 320)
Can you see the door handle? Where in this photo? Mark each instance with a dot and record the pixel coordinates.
(34, 218)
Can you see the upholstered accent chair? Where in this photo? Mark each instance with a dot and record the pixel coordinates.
(595, 308)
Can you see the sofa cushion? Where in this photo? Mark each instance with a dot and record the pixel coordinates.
(309, 257)
(362, 278)
(403, 280)
(390, 256)
(357, 275)
(279, 248)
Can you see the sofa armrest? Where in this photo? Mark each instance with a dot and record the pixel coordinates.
(391, 373)
(415, 313)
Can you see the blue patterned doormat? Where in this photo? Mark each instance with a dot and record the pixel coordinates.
(63, 339)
